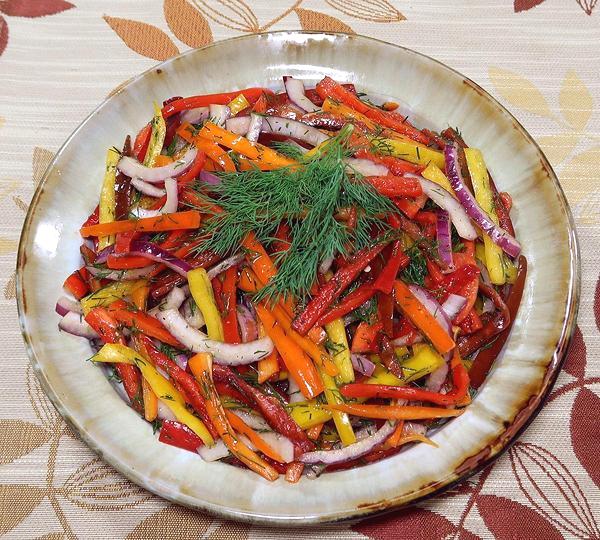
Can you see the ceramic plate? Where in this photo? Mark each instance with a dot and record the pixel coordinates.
(439, 97)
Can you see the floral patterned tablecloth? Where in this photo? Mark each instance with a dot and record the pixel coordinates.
(541, 58)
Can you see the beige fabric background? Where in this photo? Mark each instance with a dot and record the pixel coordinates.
(58, 60)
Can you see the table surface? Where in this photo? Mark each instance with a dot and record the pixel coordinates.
(540, 58)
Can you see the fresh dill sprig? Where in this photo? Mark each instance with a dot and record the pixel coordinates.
(307, 197)
(288, 149)
(416, 270)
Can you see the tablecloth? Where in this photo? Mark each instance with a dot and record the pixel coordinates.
(540, 58)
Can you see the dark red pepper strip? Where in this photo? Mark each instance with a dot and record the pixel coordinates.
(398, 260)
(385, 308)
(230, 323)
(270, 407)
(388, 356)
(93, 218)
(107, 327)
(141, 143)
(454, 282)
(192, 173)
(179, 435)
(77, 283)
(186, 381)
(349, 303)
(334, 287)
(123, 187)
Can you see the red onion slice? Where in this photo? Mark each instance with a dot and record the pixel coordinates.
(292, 128)
(195, 116)
(444, 239)
(146, 188)
(219, 114)
(352, 451)
(209, 178)
(499, 236)
(432, 305)
(366, 167)
(294, 392)
(155, 253)
(102, 256)
(170, 205)
(225, 265)
(362, 364)
(254, 127)
(224, 353)
(247, 324)
(74, 323)
(453, 304)
(296, 94)
(436, 379)
(134, 169)
(64, 305)
(447, 202)
(192, 314)
(238, 124)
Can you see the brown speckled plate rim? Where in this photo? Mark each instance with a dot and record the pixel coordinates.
(471, 465)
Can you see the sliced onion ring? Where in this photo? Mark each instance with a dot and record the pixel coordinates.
(64, 305)
(444, 239)
(134, 169)
(74, 323)
(292, 128)
(146, 188)
(296, 93)
(433, 306)
(366, 167)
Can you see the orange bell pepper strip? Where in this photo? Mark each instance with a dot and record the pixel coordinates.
(116, 262)
(216, 153)
(241, 427)
(314, 432)
(421, 318)
(266, 158)
(143, 322)
(189, 219)
(150, 402)
(269, 366)
(296, 361)
(394, 412)
(161, 160)
(201, 367)
(139, 296)
(294, 471)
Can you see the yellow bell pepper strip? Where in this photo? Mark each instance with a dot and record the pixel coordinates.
(202, 293)
(189, 219)
(139, 296)
(107, 295)
(341, 355)
(266, 158)
(164, 390)
(395, 412)
(150, 402)
(495, 260)
(433, 173)
(340, 419)
(408, 151)
(107, 196)
(421, 318)
(308, 413)
(424, 361)
(201, 366)
(336, 107)
(157, 137)
(238, 104)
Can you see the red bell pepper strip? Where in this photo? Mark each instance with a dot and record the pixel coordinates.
(460, 380)
(116, 262)
(93, 218)
(231, 331)
(334, 287)
(395, 186)
(471, 323)
(397, 261)
(330, 88)
(193, 102)
(123, 241)
(396, 165)
(270, 407)
(410, 207)
(77, 283)
(142, 140)
(385, 309)
(184, 380)
(179, 435)
(349, 303)
(283, 240)
(143, 322)
(365, 337)
(107, 328)
(192, 173)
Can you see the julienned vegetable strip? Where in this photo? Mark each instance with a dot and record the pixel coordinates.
(201, 366)
(203, 295)
(174, 107)
(107, 197)
(244, 429)
(421, 318)
(189, 219)
(395, 412)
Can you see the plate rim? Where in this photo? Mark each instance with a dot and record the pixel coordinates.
(483, 459)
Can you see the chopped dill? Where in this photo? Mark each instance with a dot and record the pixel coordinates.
(416, 270)
(306, 197)
(288, 149)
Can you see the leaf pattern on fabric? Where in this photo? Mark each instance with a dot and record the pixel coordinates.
(315, 20)
(519, 91)
(577, 357)
(552, 490)
(587, 5)
(575, 100)
(3, 34)
(515, 520)
(524, 5)
(143, 38)
(18, 438)
(37, 8)
(558, 147)
(233, 14)
(10, 292)
(380, 11)
(585, 432)
(41, 405)
(579, 176)
(190, 525)
(40, 161)
(12, 514)
(97, 486)
(187, 23)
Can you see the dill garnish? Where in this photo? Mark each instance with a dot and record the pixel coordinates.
(306, 197)
(416, 270)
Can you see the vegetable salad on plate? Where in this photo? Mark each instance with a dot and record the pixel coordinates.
(294, 282)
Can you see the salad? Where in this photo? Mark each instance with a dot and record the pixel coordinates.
(295, 282)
